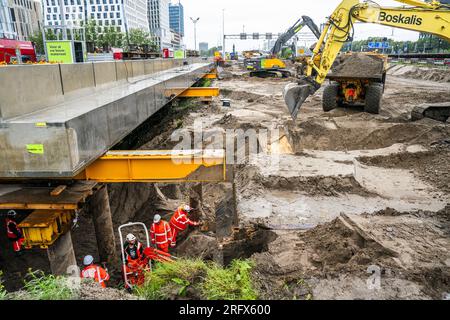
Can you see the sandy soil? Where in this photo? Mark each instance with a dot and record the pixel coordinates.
(330, 189)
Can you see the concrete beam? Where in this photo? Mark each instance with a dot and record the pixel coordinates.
(61, 255)
(104, 230)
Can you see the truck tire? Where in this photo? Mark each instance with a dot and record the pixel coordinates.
(330, 97)
(374, 93)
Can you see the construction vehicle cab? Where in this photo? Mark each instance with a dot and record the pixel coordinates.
(271, 65)
(267, 67)
(431, 17)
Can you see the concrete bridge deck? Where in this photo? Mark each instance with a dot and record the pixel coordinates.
(57, 119)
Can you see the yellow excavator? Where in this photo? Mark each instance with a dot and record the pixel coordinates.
(273, 66)
(430, 17)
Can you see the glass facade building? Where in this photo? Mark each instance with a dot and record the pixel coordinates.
(176, 15)
(6, 25)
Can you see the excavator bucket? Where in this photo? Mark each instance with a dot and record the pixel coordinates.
(295, 94)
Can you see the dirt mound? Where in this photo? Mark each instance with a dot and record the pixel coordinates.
(199, 246)
(336, 247)
(420, 73)
(240, 95)
(358, 65)
(92, 291)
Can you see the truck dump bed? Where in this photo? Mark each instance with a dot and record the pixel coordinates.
(359, 66)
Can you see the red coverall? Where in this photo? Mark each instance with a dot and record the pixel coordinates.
(180, 222)
(14, 234)
(161, 235)
(97, 273)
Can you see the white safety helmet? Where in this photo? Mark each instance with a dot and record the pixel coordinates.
(156, 218)
(88, 260)
(12, 213)
(131, 237)
(187, 208)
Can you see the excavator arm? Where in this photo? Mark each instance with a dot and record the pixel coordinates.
(430, 17)
(292, 31)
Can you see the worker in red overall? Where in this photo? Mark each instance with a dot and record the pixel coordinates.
(13, 232)
(134, 250)
(161, 233)
(93, 271)
(180, 222)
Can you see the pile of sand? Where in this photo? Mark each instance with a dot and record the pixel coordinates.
(420, 73)
(358, 65)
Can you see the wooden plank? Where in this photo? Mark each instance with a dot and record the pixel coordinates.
(58, 190)
(40, 198)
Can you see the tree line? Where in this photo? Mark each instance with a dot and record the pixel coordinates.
(425, 44)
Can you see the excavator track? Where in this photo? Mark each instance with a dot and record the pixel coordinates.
(436, 111)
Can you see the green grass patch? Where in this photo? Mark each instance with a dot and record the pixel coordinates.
(232, 283)
(40, 286)
(196, 279)
(3, 293)
(203, 83)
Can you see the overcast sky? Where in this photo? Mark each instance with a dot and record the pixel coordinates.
(261, 16)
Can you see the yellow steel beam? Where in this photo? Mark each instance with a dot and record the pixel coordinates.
(192, 92)
(158, 166)
(38, 206)
(210, 76)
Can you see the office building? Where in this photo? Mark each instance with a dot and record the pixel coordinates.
(176, 18)
(6, 25)
(120, 14)
(19, 19)
(158, 21)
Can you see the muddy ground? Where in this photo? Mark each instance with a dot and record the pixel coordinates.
(340, 205)
(344, 194)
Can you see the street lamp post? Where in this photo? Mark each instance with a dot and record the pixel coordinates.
(223, 32)
(195, 30)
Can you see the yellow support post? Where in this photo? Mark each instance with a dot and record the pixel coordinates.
(43, 227)
(192, 92)
(158, 166)
(210, 76)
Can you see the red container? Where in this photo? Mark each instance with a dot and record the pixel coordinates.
(8, 50)
(166, 53)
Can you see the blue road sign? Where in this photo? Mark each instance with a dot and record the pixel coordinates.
(378, 45)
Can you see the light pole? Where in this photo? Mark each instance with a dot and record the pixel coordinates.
(223, 29)
(195, 30)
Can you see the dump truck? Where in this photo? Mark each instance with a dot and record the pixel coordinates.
(356, 79)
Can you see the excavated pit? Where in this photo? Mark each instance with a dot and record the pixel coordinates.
(359, 133)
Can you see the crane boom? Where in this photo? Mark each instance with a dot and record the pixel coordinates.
(429, 17)
(292, 31)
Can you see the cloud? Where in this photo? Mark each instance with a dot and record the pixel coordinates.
(265, 16)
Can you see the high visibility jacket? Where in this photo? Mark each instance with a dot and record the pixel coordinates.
(97, 273)
(12, 231)
(161, 233)
(135, 252)
(180, 221)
